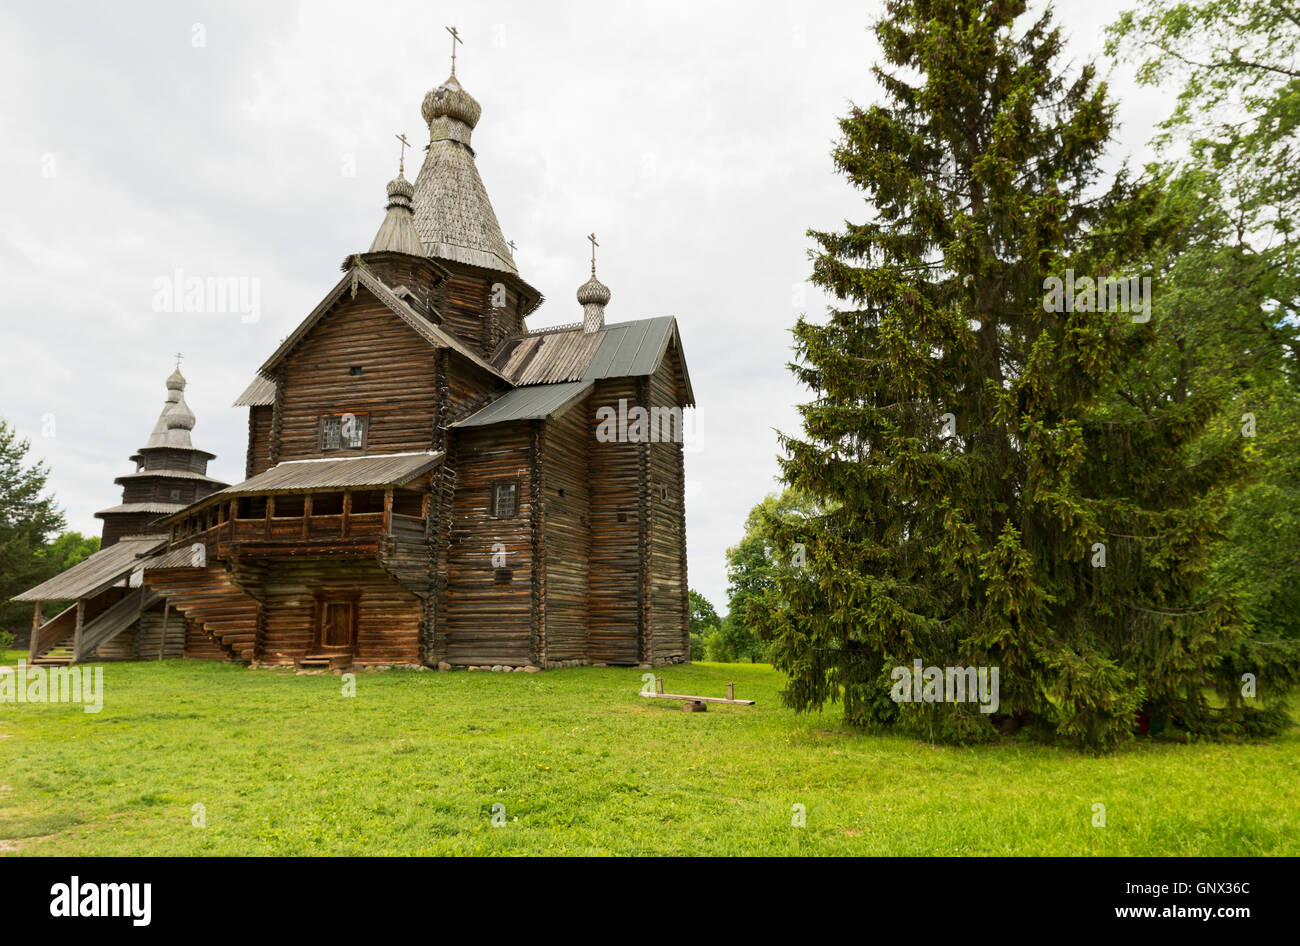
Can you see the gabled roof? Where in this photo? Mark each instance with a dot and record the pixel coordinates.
(358, 274)
(539, 402)
(96, 572)
(619, 350)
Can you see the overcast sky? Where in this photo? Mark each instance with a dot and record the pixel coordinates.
(254, 140)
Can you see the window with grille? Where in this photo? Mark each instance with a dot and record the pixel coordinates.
(505, 500)
(340, 431)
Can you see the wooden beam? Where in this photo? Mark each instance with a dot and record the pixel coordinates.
(697, 699)
(76, 635)
(167, 609)
(34, 642)
(306, 514)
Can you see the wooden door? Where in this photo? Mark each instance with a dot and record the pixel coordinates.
(336, 625)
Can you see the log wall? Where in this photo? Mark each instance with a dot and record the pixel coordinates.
(259, 440)
(488, 614)
(388, 616)
(669, 613)
(614, 587)
(396, 389)
(567, 534)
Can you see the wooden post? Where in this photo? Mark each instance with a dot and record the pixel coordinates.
(76, 635)
(347, 514)
(306, 513)
(34, 643)
(659, 684)
(270, 511)
(731, 691)
(388, 511)
(162, 646)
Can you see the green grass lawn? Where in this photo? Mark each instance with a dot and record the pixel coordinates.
(415, 762)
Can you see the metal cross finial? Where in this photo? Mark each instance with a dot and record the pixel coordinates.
(401, 162)
(594, 244)
(179, 356)
(511, 244)
(455, 38)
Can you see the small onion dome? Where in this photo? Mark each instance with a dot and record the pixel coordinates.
(176, 381)
(400, 192)
(593, 296)
(593, 291)
(449, 100)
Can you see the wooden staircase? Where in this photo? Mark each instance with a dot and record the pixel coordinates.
(114, 621)
(54, 640)
(211, 599)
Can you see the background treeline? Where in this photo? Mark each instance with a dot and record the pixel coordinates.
(33, 543)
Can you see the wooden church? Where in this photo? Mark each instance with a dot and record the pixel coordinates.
(427, 480)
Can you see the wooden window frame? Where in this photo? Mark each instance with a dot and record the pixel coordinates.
(492, 498)
(363, 418)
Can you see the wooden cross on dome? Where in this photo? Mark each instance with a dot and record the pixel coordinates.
(179, 356)
(455, 38)
(401, 162)
(592, 237)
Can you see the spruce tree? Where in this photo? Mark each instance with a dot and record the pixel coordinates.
(28, 518)
(990, 498)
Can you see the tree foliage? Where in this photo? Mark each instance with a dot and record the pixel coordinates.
(704, 621)
(28, 518)
(992, 497)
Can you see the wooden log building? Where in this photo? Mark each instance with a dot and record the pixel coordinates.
(428, 481)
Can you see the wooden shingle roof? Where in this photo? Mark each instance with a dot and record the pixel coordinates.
(453, 215)
(393, 469)
(259, 393)
(96, 572)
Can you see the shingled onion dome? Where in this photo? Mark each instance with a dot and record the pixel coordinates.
(453, 215)
(397, 234)
(593, 296)
(180, 419)
(450, 112)
(176, 420)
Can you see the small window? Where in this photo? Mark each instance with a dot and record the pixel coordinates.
(503, 576)
(505, 500)
(176, 495)
(343, 431)
(355, 371)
